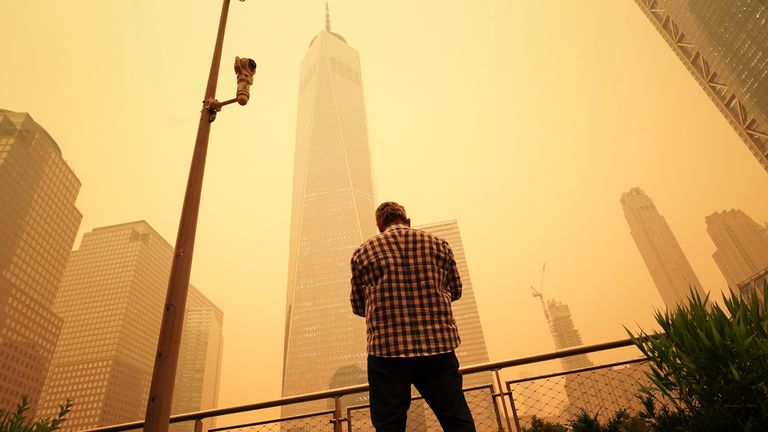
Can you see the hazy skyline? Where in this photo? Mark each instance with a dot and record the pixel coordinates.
(524, 122)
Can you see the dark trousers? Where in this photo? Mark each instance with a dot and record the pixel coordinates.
(436, 377)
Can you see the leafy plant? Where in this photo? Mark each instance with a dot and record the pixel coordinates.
(621, 421)
(539, 425)
(16, 421)
(708, 367)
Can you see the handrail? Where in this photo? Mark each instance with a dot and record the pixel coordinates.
(578, 371)
(342, 391)
(263, 422)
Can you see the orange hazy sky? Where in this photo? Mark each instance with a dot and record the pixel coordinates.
(525, 121)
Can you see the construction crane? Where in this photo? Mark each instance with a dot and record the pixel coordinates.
(539, 293)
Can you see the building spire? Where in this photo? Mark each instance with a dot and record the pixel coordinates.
(327, 18)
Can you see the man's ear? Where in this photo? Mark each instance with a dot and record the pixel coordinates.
(408, 222)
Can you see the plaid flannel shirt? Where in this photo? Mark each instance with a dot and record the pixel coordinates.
(403, 283)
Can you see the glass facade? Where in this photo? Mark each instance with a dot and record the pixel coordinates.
(724, 44)
(38, 226)
(666, 262)
(111, 301)
(332, 214)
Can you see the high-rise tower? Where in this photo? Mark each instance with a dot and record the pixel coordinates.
(472, 349)
(563, 331)
(724, 45)
(199, 370)
(38, 225)
(669, 268)
(332, 214)
(111, 303)
(742, 246)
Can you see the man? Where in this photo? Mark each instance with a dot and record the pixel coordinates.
(403, 283)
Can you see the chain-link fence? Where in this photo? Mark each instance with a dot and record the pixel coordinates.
(555, 397)
(421, 418)
(559, 397)
(316, 422)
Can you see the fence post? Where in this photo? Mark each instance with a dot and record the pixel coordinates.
(337, 414)
(198, 425)
(514, 408)
(500, 393)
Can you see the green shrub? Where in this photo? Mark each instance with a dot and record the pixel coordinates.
(539, 425)
(17, 421)
(621, 421)
(708, 368)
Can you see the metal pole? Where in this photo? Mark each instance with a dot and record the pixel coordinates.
(337, 414)
(514, 407)
(501, 398)
(164, 373)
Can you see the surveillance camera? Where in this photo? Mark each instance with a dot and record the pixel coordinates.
(244, 68)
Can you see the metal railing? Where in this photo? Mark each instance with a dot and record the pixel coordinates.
(497, 406)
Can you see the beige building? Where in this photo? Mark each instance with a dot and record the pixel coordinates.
(199, 368)
(111, 301)
(724, 45)
(38, 226)
(742, 248)
(332, 214)
(666, 262)
(472, 349)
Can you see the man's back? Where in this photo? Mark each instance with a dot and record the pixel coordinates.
(403, 282)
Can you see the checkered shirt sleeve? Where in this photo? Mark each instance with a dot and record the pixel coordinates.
(403, 283)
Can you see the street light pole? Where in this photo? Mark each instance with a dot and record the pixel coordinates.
(164, 373)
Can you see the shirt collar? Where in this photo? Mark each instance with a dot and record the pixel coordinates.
(396, 226)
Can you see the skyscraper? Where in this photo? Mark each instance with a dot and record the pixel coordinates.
(669, 268)
(111, 302)
(332, 214)
(472, 349)
(724, 45)
(600, 391)
(199, 370)
(564, 333)
(38, 225)
(742, 246)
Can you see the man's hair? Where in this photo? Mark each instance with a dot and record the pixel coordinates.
(390, 212)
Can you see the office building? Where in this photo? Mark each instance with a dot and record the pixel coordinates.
(38, 226)
(199, 369)
(332, 214)
(111, 303)
(724, 45)
(742, 248)
(472, 349)
(662, 254)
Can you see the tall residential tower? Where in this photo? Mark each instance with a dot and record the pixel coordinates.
(38, 226)
(724, 45)
(669, 268)
(332, 214)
